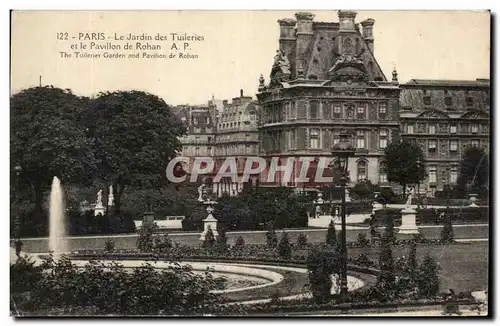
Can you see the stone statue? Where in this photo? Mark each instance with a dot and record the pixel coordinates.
(411, 194)
(110, 196)
(99, 199)
(200, 193)
(281, 62)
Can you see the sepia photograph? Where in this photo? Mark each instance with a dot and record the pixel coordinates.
(244, 163)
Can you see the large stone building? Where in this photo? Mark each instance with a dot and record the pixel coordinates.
(326, 80)
(445, 117)
(237, 136)
(228, 132)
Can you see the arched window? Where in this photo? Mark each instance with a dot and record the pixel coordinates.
(362, 170)
(382, 172)
(347, 46)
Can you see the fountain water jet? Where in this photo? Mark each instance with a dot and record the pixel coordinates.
(57, 224)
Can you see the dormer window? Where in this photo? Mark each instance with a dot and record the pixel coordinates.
(448, 101)
(427, 100)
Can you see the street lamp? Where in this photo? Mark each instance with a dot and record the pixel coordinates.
(17, 169)
(342, 151)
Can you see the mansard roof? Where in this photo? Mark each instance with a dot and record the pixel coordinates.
(449, 82)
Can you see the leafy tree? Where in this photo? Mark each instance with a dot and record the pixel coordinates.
(284, 248)
(362, 190)
(48, 139)
(428, 282)
(474, 172)
(447, 235)
(405, 163)
(331, 235)
(135, 135)
(271, 237)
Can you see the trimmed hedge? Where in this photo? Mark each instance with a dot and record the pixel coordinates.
(431, 215)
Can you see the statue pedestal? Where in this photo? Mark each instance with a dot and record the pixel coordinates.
(99, 209)
(209, 222)
(408, 222)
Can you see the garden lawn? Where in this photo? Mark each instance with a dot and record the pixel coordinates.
(464, 266)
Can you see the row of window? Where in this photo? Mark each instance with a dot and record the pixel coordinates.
(433, 175)
(432, 144)
(195, 121)
(330, 111)
(448, 101)
(314, 138)
(452, 129)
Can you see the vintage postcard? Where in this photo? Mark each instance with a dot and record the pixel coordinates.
(250, 163)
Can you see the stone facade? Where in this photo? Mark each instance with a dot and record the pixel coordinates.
(228, 132)
(326, 80)
(445, 117)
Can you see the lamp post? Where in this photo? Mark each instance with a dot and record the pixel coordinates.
(17, 227)
(342, 151)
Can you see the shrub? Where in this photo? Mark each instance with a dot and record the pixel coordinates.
(362, 240)
(162, 242)
(428, 278)
(284, 248)
(209, 241)
(321, 264)
(302, 240)
(110, 289)
(221, 242)
(389, 233)
(386, 264)
(271, 237)
(109, 245)
(331, 235)
(239, 243)
(447, 230)
(145, 241)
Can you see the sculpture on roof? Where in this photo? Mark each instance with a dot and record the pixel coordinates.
(281, 68)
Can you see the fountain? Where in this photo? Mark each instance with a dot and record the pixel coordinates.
(56, 220)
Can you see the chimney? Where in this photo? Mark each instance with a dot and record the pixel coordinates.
(346, 19)
(304, 33)
(287, 35)
(241, 93)
(224, 104)
(368, 32)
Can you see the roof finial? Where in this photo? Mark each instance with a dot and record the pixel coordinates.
(394, 74)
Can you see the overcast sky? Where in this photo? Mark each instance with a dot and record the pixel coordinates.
(238, 46)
